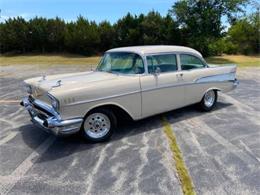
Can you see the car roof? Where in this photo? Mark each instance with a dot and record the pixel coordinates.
(150, 49)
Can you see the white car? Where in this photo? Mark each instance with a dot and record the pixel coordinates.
(136, 82)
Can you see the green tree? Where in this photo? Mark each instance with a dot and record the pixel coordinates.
(128, 31)
(82, 37)
(107, 35)
(147, 30)
(245, 34)
(14, 35)
(152, 26)
(38, 34)
(202, 19)
(170, 33)
(55, 34)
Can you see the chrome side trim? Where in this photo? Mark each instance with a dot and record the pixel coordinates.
(217, 78)
(185, 84)
(146, 90)
(103, 98)
(167, 86)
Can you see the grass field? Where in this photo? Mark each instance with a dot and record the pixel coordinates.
(49, 59)
(69, 59)
(240, 60)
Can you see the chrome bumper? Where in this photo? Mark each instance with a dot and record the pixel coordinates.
(48, 119)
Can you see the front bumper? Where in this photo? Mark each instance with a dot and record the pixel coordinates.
(44, 116)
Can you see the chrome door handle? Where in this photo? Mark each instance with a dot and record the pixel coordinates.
(179, 76)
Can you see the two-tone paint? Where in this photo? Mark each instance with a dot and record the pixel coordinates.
(139, 95)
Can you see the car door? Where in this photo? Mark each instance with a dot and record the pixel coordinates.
(192, 69)
(161, 88)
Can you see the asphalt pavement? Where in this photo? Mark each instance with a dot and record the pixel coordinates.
(221, 149)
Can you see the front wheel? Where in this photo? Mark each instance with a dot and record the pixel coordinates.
(209, 100)
(99, 125)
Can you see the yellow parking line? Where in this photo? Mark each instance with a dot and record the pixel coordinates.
(4, 74)
(182, 171)
(9, 101)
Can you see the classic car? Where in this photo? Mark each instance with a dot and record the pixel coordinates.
(134, 82)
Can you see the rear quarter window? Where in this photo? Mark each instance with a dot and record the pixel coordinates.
(190, 62)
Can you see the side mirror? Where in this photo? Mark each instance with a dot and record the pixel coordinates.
(157, 71)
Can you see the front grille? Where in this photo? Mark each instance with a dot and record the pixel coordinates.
(42, 116)
(43, 111)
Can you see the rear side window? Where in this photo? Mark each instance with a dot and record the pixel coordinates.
(190, 62)
(166, 63)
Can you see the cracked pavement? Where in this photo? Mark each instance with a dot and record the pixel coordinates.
(221, 149)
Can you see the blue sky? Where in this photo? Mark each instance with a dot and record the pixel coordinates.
(97, 10)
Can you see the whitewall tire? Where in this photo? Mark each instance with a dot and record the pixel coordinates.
(99, 125)
(209, 100)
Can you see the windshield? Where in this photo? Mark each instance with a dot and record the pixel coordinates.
(121, 62)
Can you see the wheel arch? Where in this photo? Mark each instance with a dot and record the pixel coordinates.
(118, 110)
(216, 89)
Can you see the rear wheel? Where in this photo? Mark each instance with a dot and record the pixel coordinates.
(99, 125)
(209, 100)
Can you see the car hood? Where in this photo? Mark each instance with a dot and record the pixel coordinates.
(44, 84)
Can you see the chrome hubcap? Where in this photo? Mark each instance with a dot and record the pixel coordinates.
(209, 98)
(97, 125)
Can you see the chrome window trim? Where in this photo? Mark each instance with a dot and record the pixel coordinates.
(138, 74)
(179, 62)
(177, 53)
(191, 54)
(162, 53)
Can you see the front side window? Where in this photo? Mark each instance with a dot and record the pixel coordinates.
(190, 62)
(165, 63)
(121, 62)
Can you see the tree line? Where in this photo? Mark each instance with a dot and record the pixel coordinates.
(192, 23)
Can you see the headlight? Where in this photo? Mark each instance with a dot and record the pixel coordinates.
(54, 102)
(28, 89)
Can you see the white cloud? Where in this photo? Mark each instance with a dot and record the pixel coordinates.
(8, 15)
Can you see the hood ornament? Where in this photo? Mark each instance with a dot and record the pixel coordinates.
(58, 83)
(43, 78)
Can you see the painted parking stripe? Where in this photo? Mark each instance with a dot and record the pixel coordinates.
(5, 74)
(182, 171)
(22, 169)
(9, 101)
(8, 137)
(99, 162)
(244, 156)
